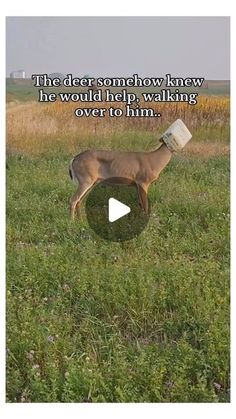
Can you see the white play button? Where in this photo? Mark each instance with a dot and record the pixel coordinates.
(116, 210)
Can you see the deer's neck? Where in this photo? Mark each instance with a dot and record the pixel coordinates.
(160, 158)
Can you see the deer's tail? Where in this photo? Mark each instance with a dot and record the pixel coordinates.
(72, 173)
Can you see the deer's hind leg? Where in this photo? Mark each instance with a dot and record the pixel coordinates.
(78, 196)
(143, 199)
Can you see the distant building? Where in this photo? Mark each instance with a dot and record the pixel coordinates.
(19, 74)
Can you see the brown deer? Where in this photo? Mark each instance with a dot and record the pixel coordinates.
(117, 167)
(125, 167)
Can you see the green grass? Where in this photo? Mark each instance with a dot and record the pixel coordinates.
(141, 321)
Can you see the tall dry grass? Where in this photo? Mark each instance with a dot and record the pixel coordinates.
(35, 128)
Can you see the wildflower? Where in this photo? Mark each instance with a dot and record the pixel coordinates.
(217, 386)
(30, 355)
(170, 384)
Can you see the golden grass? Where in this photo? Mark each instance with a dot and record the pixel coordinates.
(35, 128)
(208, 149)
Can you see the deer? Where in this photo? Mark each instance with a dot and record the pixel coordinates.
(140, 169)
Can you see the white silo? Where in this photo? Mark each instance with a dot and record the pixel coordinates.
(21, 74)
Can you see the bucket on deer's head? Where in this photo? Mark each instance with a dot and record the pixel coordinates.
(176, 136)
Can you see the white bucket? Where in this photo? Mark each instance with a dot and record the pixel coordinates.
(176, 136)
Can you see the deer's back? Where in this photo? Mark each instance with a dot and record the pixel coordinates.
(111, 164)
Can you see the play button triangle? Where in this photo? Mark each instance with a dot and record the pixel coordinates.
(116, 210)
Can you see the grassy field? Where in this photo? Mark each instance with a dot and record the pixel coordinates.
(94, 321)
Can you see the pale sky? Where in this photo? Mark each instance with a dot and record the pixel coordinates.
(120, 46)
